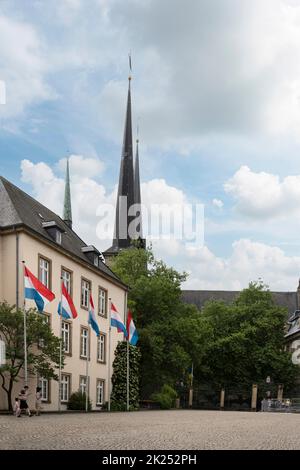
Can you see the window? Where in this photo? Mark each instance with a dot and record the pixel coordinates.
(100, 392)
(102, 306)
(66, 337)
(85, 289)
(46, 318)
(67, 279)
(82, 384)
(84, 342)
(101, 348)
(44, 271)
(96, 260)
(44, 384)
(58, 237)
(65, 387)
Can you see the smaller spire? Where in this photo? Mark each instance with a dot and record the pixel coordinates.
(67, 217)
(137, 184)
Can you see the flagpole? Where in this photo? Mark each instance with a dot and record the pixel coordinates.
(25, 332)
(87, 388)
(60, 349)
(109, 339)
(127, 353)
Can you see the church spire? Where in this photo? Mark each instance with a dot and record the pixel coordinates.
(125, 198)
(67, 217)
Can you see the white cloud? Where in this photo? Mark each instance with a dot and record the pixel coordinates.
(264, 194)
(248, 260)
(88, 195)
(237, 73)
(218, 203)
(23, 67)
(82, 166)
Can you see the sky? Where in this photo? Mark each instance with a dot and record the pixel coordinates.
(216, 96)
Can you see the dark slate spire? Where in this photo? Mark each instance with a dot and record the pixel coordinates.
(125, 198)
(137, 187)
(67, 217)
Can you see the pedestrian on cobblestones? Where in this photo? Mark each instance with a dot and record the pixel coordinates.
(17, 409)
(23, 396)
(38, 401)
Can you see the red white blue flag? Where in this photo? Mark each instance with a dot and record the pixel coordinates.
(92, 317)
(66, 307)
(115, 320)
(36, 291)
(132, 334)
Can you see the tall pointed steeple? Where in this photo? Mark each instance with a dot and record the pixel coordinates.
(125, 197)
(67, 217)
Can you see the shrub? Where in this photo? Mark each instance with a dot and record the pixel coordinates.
(77, 402)
(165, 398)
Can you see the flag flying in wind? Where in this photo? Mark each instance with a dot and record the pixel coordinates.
(132, 334)
(115, 320)
(36, 291)
(92, 317)
(66, 306)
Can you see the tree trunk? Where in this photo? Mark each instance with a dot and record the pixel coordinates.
(9, 392)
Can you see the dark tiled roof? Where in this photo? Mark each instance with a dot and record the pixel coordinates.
(18, 208)
(200, 297)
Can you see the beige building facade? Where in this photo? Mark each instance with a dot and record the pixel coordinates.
(51, 255)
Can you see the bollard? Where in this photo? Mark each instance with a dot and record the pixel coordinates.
(254, 397)
(222, 399)
(177, 403)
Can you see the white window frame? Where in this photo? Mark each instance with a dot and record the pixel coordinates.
(65, 388)
(85, 290)
(66, 333)
(101, 348)
(84, 336)
(67, 279)
(102, 302)
(44, 385)
(82, 384)
(100, 392)
(58, 237)
(44, 271)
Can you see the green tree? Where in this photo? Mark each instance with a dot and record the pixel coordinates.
(170, 334)
(245, 340)
(42, 347)
(119, 378)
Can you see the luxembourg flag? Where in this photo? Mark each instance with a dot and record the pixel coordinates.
(115, 320)
(92, 317)
(66, 306)
(132, 334)
(36, 291)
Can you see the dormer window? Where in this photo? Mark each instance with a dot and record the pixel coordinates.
(54, 230)
(58, 237)
(92, 254)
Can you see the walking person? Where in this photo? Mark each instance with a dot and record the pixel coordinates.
(23, 396)
(17, 409)
(38, 401)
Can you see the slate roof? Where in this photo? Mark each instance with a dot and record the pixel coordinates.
(200, 297)
(19, 209)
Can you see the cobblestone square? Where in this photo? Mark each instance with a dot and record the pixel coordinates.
(151, 430)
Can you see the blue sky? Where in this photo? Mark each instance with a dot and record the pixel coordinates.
(216, 93)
